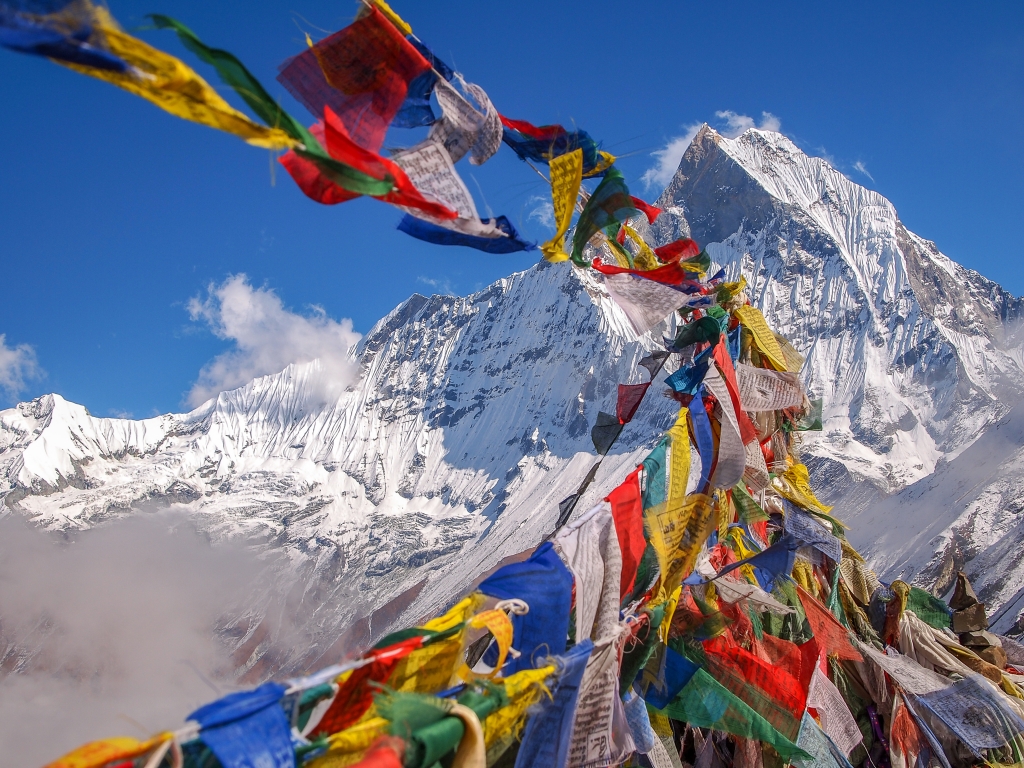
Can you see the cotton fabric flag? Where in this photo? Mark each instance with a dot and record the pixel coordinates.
(361, 72)
(465, 128)
(545, 585)
(566, 175)
(589, 548)
(548, 732)
(62, 31)
(609, 204)
(628, 514)
(601, 734)
(248, 729)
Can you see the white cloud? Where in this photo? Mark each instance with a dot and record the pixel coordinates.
(861, 168)
(18, 365)
(267, 338)
(737, 124)
(667, 159)
(542, 211)
(443, 285)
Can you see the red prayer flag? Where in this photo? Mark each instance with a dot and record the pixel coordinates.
(543, 133)
(355, 695)
(679, 249)
(748, 431)
(669, 274)
(361, 72)
(341, 147)
(309, 177)
(649, 211)
(781, 686)
(630, 396)
(829, 634)
(628, 514)
(620, 237)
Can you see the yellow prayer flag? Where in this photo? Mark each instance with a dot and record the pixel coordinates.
(677, 534)
(347, 747)
(646, 258)
(604, 162)
(97, 753)
(764, 339)
(566, 176)
(795, 484)
(175, 87)
(393, 17)
(523, 689)
(430, 669)
(804, 576)
(500, 626)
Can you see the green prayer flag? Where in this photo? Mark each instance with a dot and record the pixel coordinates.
(609, 204)
(706, 703)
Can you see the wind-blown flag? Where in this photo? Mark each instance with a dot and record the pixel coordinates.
(362, 72)
(610, 203)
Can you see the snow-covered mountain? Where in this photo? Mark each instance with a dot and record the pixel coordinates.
(471, 417)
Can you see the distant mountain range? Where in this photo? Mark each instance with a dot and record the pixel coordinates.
(471, 418)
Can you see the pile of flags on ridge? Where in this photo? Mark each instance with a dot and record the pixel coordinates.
(708, 612)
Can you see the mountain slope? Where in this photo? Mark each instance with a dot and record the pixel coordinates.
(912, 353)
(471, 416)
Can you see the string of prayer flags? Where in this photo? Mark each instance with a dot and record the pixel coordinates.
(361, 72)
(674, 619)
(566, 176)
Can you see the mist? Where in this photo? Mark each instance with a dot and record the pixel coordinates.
(113, 631)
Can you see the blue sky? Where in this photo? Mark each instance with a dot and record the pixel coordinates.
(117, 219)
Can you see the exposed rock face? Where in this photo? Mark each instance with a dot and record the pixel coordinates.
(471, 418)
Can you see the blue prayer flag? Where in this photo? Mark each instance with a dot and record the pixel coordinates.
(545, 584)
(248, 729)
(549, 732)
(432, 233)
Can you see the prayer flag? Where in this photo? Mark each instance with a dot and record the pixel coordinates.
(64, 34)
(648, 210)
(433, 233)
(677, 250)
(361, 72)
(248, 728)
(545, 584)
(548, 731)
(566, 175)
(628, 514)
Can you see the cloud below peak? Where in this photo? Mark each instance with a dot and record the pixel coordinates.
(267, 338)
